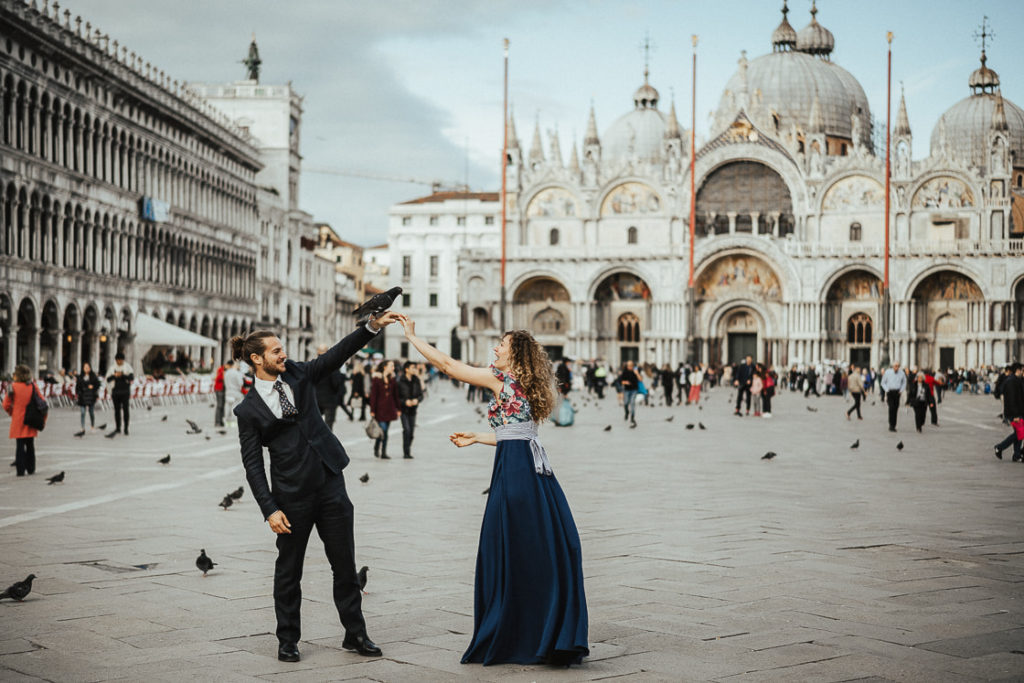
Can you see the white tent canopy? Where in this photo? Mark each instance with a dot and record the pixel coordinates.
(150, 331)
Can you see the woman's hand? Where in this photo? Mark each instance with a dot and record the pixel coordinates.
(462, 439)
(409, 326)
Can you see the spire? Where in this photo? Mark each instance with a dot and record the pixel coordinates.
(556, 148)
(672, 131)
(983, 79)
(513, 139)
(817, 121)
(536, 150)
(590, 138)
(999, 115)
(252, 61)
(815, 39)
(902, 121)
(784, 36)
(574, 158)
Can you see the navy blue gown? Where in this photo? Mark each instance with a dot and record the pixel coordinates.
(529, 602)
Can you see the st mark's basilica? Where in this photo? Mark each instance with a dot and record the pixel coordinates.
(789, 226)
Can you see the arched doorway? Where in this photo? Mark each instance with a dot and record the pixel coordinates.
(731, 292)
(536, 305)
(852, 305)
(90, 338)
(71, 353)
(623, 302)
(49, 338)
(6, 320)
(27, 349)
(943, 304)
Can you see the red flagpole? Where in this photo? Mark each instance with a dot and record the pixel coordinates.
(886, 322)
(504, 202)
(693, 159)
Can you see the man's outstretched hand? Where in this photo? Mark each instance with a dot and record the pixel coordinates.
(279, 523)
(384, 319)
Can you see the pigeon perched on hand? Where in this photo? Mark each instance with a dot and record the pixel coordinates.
(237, 493)
(227, 502)
(769, 455)
(164, 460)
(362, 578)
(365, 478)
(855, 445)
(378, 303)
(56, 479)
(204, 563)
(18, 590)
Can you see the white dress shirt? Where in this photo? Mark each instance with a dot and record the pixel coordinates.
(265, 389)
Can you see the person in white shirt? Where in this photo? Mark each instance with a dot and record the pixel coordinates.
(894, 383)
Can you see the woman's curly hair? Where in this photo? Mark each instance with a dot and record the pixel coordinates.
(531, 367)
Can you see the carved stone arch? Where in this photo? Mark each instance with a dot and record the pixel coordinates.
(600, 276)
(653, 203)
(712, 250)
(832, 183)
(926, 272)
(919, 183)
(776, 161)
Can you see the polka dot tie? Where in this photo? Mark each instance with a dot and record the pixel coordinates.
(287, 409)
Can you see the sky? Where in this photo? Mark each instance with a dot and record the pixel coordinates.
(413, 88)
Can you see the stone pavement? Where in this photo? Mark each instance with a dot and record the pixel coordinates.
(703, 562)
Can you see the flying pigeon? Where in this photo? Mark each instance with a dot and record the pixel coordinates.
(204, 563)
(365, 478)
(226, 503)
(701, 425)
(378, 303)
(362, 578)
(165, 460)
(193, 427)
(608, 428)
(56, 479)
(855, 445)
(670, 418)
(19, 590)
(237, 493)
(769, 455)
(899, 446)
(690, 426)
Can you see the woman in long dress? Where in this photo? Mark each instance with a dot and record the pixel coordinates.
(529, 602)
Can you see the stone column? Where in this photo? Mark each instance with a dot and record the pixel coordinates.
(11, 341)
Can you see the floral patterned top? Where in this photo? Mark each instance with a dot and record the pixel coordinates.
(511, 405)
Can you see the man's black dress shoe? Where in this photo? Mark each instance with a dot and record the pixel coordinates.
(361, 644)
(288, 652)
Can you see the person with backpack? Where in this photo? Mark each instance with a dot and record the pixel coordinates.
(16, 403)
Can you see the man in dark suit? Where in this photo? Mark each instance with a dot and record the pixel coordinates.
(1013, 409)
(280, 413)
(744, 378)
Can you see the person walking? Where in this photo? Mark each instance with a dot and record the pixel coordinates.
(668, 381)
(629, 380)
(121, 376)
(529, 602)
(894, 383)
(358, 389)
(1013, 411)
(600, 379)
(771, 379)
(696, 381)
(563, 376)
(384, 407)
(330, 390)
(756, 387)
(306, 469)
(742, 380)
(855, 383)
(87, 389)
(218, 396)
(811, 377)
(933, 385)
(410, 394)
(16, 400)
(234, 383)
(922, 399)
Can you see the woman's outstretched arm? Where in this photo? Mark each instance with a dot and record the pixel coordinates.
(481, 377)
(462, 439)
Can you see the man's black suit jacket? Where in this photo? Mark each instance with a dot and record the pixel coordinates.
(300, 447)
(744, 374)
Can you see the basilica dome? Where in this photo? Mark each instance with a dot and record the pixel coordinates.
(640, 133)
(968, 123)
(778, 89)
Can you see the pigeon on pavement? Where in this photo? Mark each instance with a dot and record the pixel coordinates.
(365, 478)
(362, 578)
(56, 479)
(204, 563)
(79, 435)
(769, 455)
(164, 460)
(690, 426)
(608, 428)
(670, 418)
(485, 491)
(811, 409)
(163, 419)
(378, 303)
(855, 445)
(701, 425)
(899, 446)
(237, 493)
(193, 427)
(227, 502)
(19, 590)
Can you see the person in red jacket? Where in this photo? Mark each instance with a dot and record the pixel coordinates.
(15, 401)
(218, 392)
(384, 406)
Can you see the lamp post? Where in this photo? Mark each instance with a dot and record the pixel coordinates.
(886, 322)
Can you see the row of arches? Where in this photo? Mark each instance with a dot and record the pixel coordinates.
(41, 228)
(49, 335)
(61, 131)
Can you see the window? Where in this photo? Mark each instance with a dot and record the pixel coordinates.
(433, 299)
(553, 237)
(406, 220)
(433, 220)
(403, 349)
(406, 266)
(406, 300)
(858, 329)
(855, 232)
(433, 266)
(629, 328)
(461, 220)
(337, 259)
(631, 236)
(489, 220)
(842, 150)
